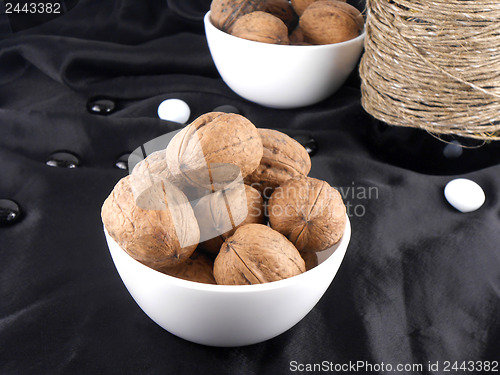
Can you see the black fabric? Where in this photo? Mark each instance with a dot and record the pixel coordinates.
(420, 282)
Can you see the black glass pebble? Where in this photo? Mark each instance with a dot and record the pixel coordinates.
(452, 150)
(308, 142)
(101, 106)
(227, 108)
(63, 159)
(122, 161)
(10, 212)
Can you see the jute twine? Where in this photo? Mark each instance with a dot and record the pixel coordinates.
(434, 64)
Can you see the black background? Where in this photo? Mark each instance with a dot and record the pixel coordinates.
(420, 281)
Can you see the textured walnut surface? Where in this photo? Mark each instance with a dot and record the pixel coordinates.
(309, 212)
(284, 11)
(198, 267)
(261, 27)
(155, 163)
(224, 13)
(300, 5)
(310, 259)
(256, 254)
(155, 166)
(152, 236)
(330, 21)
(228, 209)
(297, 37)
(216, 146)
(283, 158)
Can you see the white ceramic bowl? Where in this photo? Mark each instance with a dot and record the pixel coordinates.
(281, 76)
(227, 315)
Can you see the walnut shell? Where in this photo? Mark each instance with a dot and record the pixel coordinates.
(283, 158)
(310, 259)
(155, 163)
(300, 5)
(227, 209)
(353, 11)
(330, 21)
(215, 149)
(156, 226)
(261, 27)
(223, 13)
(309, 212)
(256, 254)
(155, 166)
(284, 11)
(297, 36)
(198, 267)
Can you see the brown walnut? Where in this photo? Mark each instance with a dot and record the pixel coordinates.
(330, 21)
(283, 158)
(309, 212)
(155, 163)
(256, 254)
(232, 209)
(300, 5)
(310, 259)
(153, 223)
(284, 11)
(215, 149)
(198, 267)
(297, 37)
(261, 27)
(155, 166)
(224, 13)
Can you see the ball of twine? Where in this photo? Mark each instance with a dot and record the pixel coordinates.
(434, 64)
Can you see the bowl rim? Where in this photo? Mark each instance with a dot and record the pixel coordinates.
(254, 288)
(208, 24)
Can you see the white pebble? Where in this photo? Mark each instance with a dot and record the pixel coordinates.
(463, 194)
(175, 110)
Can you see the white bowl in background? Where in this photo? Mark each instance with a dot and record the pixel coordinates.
(281, 76)
(227, 315)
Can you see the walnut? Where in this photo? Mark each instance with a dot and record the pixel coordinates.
(284, 11)
(256, 254)
(198, 267)
(309, 212)
(353, 11)
(297, 37)
(223, 13)
(300, 5)
(153, 223)
(283, 158)
(221, 213)
(261, 27)
(330, 21)
(310, 259)
(215, 150)
(155, 163)
(155, 166)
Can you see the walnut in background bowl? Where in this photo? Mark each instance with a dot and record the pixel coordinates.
(281, 76)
